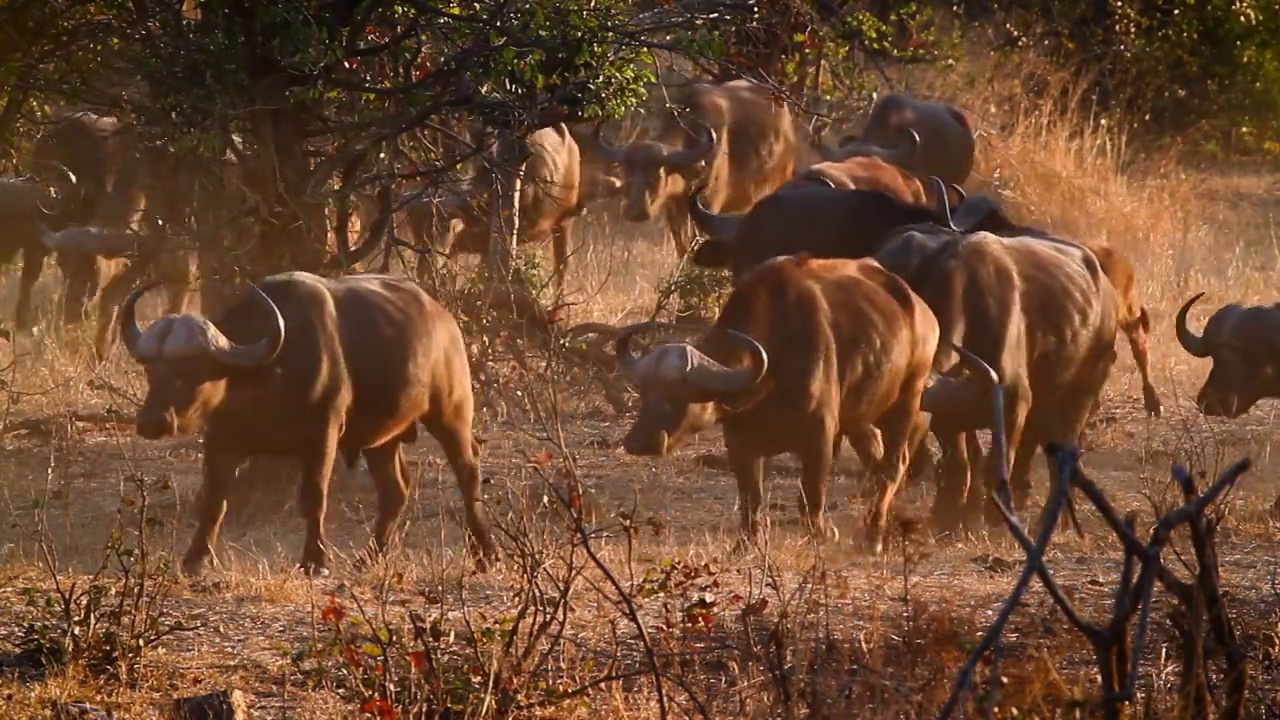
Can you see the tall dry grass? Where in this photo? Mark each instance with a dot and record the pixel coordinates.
(900, 623)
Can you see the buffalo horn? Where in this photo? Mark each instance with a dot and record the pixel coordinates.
(628, 360)
(943, 206)
(949, 395)
(130, 333)
(70, 176)
(613, 154)
(259, 353)
(904, 154)
(688, 156)
(711, 375)
(722, 227)
(1190, 342)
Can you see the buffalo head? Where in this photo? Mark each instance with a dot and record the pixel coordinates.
(1244, 343)
(902, 154)
(721, 230)
(188, 360)
(79, 252)
(680, 389)
(653, 173)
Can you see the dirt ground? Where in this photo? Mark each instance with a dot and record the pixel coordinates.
(69, 462)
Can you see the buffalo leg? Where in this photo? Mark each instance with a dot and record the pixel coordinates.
(1136, 332)
(219, 473)
(898, 427)
(387, 468)
(953, 483)
(109, 300)
(32, 265)
(313, 496)
(748, 470)
(455, 438)
(1066, 425)
(561, 237)
(815, 466)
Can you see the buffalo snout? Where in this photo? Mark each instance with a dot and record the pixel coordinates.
(156, 425)
(1214, 404)
(644, 442)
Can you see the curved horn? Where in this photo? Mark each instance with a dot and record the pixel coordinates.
(943, 203)
(711, 375)
(947, 395)
(721, 227)
(130, 333)
(688, 156)
(913, 145)
(75, 183)
(628, 360)
(1190, 342)
(613, 154)
(259, 353)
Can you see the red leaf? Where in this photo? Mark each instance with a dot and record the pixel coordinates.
(378, 707)
(333, 612)
(418, 659)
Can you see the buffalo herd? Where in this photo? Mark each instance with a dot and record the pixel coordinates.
(873, 301)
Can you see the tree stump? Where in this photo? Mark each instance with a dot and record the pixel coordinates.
(220, 705)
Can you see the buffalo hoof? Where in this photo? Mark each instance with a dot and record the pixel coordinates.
(1151, 401)
(313, 569)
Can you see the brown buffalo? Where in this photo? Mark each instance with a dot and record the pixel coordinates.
(28, 208)
(104, 264)
(803, 351)
(121, 182)
(1041, 313)
(735, 140)
(1244, 344)
(867, 173)
(314, 368)
(600, 181)
(802, 216)
(456, 220)
(981, 213)
(923, 137)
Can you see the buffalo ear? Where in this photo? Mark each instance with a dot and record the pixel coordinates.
(712, 253)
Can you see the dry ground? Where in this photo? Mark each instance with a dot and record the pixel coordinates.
(887, 634)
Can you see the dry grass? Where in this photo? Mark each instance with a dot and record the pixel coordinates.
(863, 637)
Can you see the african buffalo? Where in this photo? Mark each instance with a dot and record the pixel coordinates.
(28, 208)
(1038, 311)
(829, 222)
(981, 213)
(455, 220)
(735, 140)
(866, 173)
(804, 350)
(1243, 342)
(104, 264)
(312, 367)
(923, 137)
(121, 182)
(802, 216)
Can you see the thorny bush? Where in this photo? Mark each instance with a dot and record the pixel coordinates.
(105, 624)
